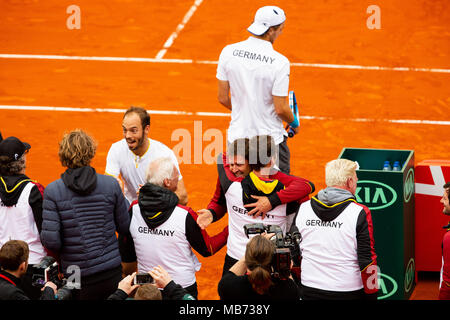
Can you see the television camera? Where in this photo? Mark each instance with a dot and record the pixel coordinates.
(286, 249)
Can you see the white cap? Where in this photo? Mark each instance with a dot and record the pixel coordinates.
(265, 18)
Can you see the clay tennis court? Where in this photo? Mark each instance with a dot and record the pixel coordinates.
(384, 88)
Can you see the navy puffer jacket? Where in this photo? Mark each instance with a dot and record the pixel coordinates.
(81, 213)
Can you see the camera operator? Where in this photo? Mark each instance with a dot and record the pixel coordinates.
(125, 288)
(172, 290)
(14, 263)
(251, 277)
(162, 281)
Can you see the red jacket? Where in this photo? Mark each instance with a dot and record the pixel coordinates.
(444, 291)
(297, 189)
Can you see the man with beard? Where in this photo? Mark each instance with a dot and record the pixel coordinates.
(131, 156)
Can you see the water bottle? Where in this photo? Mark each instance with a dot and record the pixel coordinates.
(387, 166)
(396, 166)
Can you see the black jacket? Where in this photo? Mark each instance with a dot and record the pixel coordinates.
(156, 204)
(233, 287)
(10, 290)
(82, 212)
(171, 291)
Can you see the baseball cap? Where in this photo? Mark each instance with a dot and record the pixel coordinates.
(13, 148)
(265, 18)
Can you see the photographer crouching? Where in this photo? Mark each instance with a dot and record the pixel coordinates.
(253, 277)
(14, 263)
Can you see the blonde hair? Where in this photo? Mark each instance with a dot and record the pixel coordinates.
(338, 171)
(76, 149)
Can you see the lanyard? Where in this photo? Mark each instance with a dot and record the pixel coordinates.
(7, 279)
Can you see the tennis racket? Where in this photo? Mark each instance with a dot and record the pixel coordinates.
(294, 108)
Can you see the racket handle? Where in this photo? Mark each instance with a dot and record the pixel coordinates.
(291, 132)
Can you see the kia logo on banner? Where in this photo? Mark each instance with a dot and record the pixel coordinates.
(408, 188)
(409, 274)
(375, 195)
(387, 286)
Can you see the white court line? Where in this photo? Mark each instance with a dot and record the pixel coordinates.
(178, 29)
(101, 110)
(84, 58)
(356, 67)
(190, 61)
(213, 114)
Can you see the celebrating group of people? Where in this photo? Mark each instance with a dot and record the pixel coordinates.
(135, 218)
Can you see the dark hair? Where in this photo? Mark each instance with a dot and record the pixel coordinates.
(258, 258)
(11, 168)
(239, 147)
(447, 187)
(12, 254)
(261, 150)
(142, 113)
(274, 28)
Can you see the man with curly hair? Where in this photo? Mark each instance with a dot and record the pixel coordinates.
(82, 212)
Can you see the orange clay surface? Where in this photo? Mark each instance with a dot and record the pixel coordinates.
(412, 34)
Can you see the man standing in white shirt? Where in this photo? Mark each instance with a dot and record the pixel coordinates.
(253, 82)
(129, 158)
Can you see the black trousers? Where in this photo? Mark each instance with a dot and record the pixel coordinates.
(308, 293)
(32, 292)
(192, 290)
(98, 286)
(284, 157)
(228, 263)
